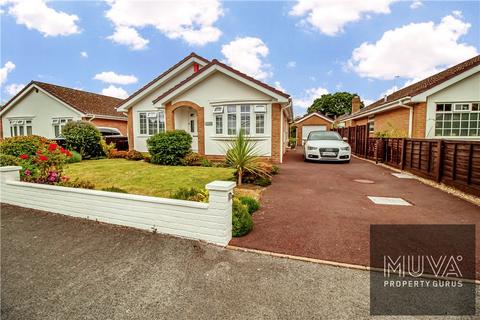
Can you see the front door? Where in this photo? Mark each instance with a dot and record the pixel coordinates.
(193, 130)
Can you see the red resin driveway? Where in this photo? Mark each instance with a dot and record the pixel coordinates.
(317, 210)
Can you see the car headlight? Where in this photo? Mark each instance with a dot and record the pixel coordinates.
(345, 148)
(311, 148)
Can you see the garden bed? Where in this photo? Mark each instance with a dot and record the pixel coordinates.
(138, 177)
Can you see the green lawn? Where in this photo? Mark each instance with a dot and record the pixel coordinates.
(143, 178)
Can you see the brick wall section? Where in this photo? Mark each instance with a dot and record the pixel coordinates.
(276, 134)
(395, 120)
(169, 119)
(316, 121)
(359, 122)
(120, 125)
(131, 136)
(419, 120)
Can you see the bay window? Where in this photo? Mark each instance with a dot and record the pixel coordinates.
(243, 116)
(457, 119)
(20, 127)
(151, 123)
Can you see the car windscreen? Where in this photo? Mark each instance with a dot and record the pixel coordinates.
(324, 135)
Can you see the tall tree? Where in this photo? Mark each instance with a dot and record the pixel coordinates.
(333, 104)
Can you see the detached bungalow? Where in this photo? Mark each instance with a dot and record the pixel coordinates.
(311, 122)
(43, 109)
(212, 102)
(445, 105)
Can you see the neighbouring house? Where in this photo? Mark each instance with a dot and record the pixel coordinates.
(311, 122)
(43, 109)
(445, 105)
(212, 102)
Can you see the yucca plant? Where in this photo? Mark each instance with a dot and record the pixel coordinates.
(243, 155)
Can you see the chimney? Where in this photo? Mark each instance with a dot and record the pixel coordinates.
(195, 67)
(356, 103)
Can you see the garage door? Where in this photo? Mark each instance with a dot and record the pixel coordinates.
(307, 129)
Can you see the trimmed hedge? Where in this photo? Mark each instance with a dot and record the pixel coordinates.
(83, 137)
(169, 148)
(16, 146)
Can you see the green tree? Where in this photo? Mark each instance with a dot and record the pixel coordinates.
(333, 104)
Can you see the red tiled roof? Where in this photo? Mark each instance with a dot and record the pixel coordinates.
(191, 55)
(85, 102)
(216, 62)
(421, 86)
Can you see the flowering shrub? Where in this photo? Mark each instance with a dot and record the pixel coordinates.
(46, 165)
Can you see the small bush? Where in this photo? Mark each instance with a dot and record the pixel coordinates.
(76, 157)
(275, 170)
(207, 163)
(114, 154)
(251, 203)
(190, 194)
(292, 142)
(242, 222)
(77, 183)
(8, 160)
(192, 159)
(16, 146)
(84, 138)
(107, 147)
(147, 158)
(263, 182)
(169, 148)
(115, 189)
(134, 155)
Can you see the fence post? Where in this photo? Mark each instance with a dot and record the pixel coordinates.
(366, 141)
(440, 155)
(470, 165)
(220, 195)
(404, 153)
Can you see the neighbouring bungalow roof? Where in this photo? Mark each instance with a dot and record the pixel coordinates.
(208, 66)
(419, 87)
(82, 101)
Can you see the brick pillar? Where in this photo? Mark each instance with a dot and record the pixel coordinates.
(276, 134)
(169, 119)
(130, 134)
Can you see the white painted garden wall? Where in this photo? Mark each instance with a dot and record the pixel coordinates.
(211, 222)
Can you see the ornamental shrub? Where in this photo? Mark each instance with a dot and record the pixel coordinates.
(242, 222)
(190, 194)
(251, 203)
(134, 155)
(192, 159)
(15, 146)
(8, 160)
(84, 138)
(169, 148)
(76, 157)
(115, 154)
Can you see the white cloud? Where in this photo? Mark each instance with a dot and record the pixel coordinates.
(416, 4)
(330, 16)
(278, 86)
(413, 51)
(129, 37)
(248, 55)
(35, 14)
(291, 64)
(84, 54)
(367, 101)
(116, 92)
(191, 21)
(112, 77)
(14, 88)
(308, 96)
(5, 70)
(389, 91)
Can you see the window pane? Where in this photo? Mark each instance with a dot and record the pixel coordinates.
(245, 122)
(456, 116)
(232, 124)
(439, 116)
(447, 132)
(21, 128)
(29, 130)
(438, 132)
(448, 117)
(475, 106)
(56, 128)
(464, 132)
(260, 123)
(447, 124)
(455, 124)
(218, 124)
(161, 123)
(15, 132)
(448, 107)
(232, 109)
(465, 116)
(473, 116)
(152, 126)
(455, 132)
(438, 125)
(473, 132)
(143, 123)
(440, 107)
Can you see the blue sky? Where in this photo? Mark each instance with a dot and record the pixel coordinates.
(304, 47)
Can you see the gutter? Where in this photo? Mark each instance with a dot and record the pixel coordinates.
(410, 118)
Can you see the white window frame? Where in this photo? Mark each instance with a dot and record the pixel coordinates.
(371, 124)
(59, 122)
(456, 122)
(255, 109)
(23, 125)
(159, 115)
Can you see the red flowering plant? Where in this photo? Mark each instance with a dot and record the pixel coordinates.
(46, 166)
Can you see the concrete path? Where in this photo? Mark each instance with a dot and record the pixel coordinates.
(56, 267)
(318, 210)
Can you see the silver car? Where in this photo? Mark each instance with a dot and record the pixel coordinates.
(326, 146)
